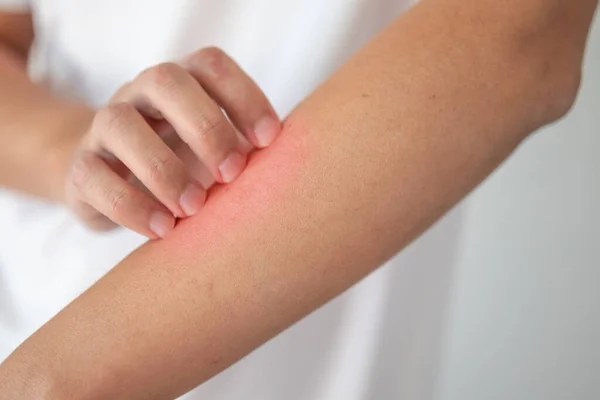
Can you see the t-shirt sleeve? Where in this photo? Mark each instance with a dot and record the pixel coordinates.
(14, 5)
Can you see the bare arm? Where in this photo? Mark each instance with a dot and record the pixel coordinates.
(35, 128)
(397, 137)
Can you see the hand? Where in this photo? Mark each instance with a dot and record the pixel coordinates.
(148, 156)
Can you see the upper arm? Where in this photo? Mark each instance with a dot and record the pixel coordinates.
(16, 30)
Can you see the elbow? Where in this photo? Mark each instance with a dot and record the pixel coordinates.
(557, 91)
(551, 46)
(542, 88)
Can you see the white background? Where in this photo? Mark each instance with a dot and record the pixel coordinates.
(525, 318)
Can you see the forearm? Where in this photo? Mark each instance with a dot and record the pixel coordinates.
(36, 130)
(383, 149)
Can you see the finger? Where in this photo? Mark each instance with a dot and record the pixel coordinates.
(100, 187)
(86, 213)
(92, 218)
(197, 119)
(125, 133)
(194, 166)
(245, 104)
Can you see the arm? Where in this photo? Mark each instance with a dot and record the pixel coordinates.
(363, 166)
(36, 130)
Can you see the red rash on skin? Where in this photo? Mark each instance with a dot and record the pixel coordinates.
(265, 182)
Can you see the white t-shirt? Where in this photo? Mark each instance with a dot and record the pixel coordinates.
(380, 340)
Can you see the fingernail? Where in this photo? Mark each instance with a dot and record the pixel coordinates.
(192, 199)
(161, 223)
(266, 130)
(232, 167)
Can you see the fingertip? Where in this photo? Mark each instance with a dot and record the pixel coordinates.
(266, 130)
(232, 167)
(161, 223)
(192, 199)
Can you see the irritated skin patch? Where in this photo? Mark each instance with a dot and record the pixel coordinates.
(268, 180)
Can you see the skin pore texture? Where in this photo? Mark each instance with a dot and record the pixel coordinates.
(363, 166)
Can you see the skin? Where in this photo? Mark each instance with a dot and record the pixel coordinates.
(145, 158)
(37, 159)
(167, 129)
(362, 167)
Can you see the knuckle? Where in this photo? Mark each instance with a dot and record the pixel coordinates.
(211, 54)
(113, 117)
(162, 170)
(162, 75)
(82, 171)
(118, 203)
(125, 88)
(212, 132)
(216, 61)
